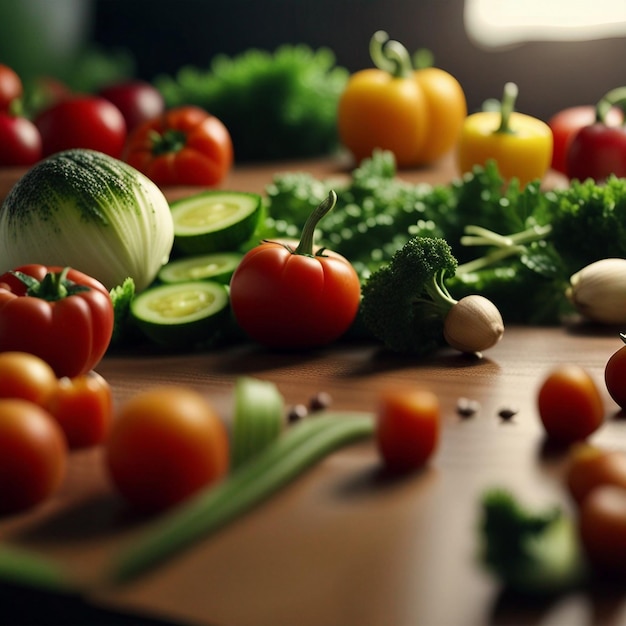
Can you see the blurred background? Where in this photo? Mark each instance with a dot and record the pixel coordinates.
(87, 42)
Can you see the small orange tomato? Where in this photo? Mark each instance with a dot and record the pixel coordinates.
(615, 376)
(166, 444)
(24, 375)
(83, 407)
(590, 466)
(408, 426)
(570, 404)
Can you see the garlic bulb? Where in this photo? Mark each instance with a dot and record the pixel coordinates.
(473, 324)
(598, 291)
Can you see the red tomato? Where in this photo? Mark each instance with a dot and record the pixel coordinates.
(10, 87)
(184, 146)
(602, 528)
(83, 407)
(408, 428)
(20, 141)
(71, 332)
(570, 404)
(137, 100)
(82, 122)
(33, 455)
(596, 152)
(615, 377)
(26, 376)
(165, 445)
(565, 124)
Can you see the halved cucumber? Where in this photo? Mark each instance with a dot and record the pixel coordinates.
(215, 221)
(218, 266)
(182, 314)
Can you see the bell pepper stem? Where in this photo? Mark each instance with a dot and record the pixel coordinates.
(305, 246)
(507, 107)
(390, 55)
(614, 98)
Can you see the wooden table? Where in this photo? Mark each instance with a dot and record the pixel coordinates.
(345, 545)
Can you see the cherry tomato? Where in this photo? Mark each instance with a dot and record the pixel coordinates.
(137, 100)
(615, 377)
(589, 467)
(10, 87)
(165, 445)
(33, 455)
(20, 141)
(184, 146)
(408, 428)
(602, 528)
(83, 407)
(570, 404)
(566, 123)
(26, 376)
(82, 122)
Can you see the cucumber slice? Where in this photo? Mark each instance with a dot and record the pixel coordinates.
(181, 314)
(215, 221)
(218, 266)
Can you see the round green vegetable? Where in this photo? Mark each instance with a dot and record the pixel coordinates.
(83, 209)
(215, 221)
(218, 266)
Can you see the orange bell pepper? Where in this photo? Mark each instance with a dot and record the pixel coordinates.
(521, 145)
(416, 114)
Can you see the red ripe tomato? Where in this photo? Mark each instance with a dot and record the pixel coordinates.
(26, 376)
(20, 141)
(10, 87)
(408, 428)
(33, 455)
(184, 146)
(82, 122)
(615, 377)
(165, 445)
(570, 404)
(137, 100)
(83, 407)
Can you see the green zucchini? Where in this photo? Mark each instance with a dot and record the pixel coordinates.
(218, 266)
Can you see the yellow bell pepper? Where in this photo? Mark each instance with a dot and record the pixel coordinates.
(416, 114)
(521, 145)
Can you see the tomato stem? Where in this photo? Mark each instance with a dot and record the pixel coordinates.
(390, 55)
(614, 98)
(507, 107)
(305, 246)
(169, 141)
(54, 285)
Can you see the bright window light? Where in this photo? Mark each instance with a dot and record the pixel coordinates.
(497, 23)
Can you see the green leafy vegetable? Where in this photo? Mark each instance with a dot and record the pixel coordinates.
(121, 296)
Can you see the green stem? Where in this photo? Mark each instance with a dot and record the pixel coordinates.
(508, 106)
(308, 231)
(390, 55)
(489, 259)
(614, 98)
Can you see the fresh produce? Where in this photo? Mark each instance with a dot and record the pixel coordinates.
(415, 114)
(182, 315)
(218, 266)
(83, 407)
(615, 375)
(293, 90)
(33, 455)
(566, 123)
(598, 291)
(407, 427)
(20, 141)
(26, 376)
(570, 404)
(183, 146)
(299, 448)
(530, 552)
(599, 149)
(294, 296)
(137, 100)
(521, 145)
(406, 305)
(88, 122)
(215, 221)
(86, 210)
(11, 88)
(166, 444)
(59, 314)
(28, 568)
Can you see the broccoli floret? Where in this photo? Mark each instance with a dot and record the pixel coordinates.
(531, 552)
(405, 302)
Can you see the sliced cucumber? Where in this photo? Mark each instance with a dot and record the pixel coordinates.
(218, 266)
(215, 221)
(182, 314)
